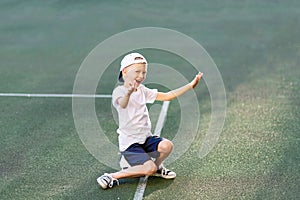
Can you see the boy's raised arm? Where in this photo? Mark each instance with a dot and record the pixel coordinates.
(168, 96)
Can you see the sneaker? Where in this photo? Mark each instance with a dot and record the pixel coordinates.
(165, 173)
(106, 181)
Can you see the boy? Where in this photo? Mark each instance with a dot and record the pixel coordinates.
(136, 142)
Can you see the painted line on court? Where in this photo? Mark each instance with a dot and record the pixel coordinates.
(139, 193)
(56, 95)
(161, 118)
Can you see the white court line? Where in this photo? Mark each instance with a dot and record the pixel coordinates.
(56, 95)
(139, 193)
(161, 118)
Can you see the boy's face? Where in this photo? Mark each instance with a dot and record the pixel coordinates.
(135, 73)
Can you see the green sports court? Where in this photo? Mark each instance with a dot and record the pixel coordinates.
(255, 45)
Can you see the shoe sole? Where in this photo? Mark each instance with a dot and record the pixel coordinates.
(100, 182)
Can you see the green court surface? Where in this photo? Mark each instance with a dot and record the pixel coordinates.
(254, 43)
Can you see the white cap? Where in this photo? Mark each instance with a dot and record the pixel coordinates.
(129, 59)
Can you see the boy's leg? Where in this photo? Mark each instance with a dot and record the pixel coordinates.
(146, 169)
(164, 148)
(140, 162)
(160, 149)
(136, 155)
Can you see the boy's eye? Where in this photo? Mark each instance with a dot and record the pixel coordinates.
(138, 72)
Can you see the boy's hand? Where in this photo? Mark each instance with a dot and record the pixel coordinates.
(196, 80)
(132, 87)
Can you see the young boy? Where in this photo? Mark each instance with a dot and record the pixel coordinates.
(136, 142)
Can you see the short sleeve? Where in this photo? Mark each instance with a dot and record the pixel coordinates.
(117, 93)
(150, 94)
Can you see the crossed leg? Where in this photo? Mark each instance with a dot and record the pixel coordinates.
(164, 148)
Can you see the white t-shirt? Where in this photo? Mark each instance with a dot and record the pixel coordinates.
(134, 121)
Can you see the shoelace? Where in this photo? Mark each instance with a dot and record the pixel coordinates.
(112, 182)
(165, 171)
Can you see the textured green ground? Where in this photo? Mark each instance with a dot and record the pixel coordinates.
(255, 45)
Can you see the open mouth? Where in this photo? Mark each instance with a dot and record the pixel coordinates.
(138, 82)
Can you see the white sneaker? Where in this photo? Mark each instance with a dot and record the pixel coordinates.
(165, 173)
(106, 180)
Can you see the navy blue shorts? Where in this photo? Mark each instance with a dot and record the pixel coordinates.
(138, 154)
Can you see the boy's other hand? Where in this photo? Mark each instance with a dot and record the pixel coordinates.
(196, 79)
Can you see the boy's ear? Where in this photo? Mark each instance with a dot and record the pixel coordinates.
(124, 71)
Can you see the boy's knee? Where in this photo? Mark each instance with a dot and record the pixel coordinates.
(165, 146)
(150, 168)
